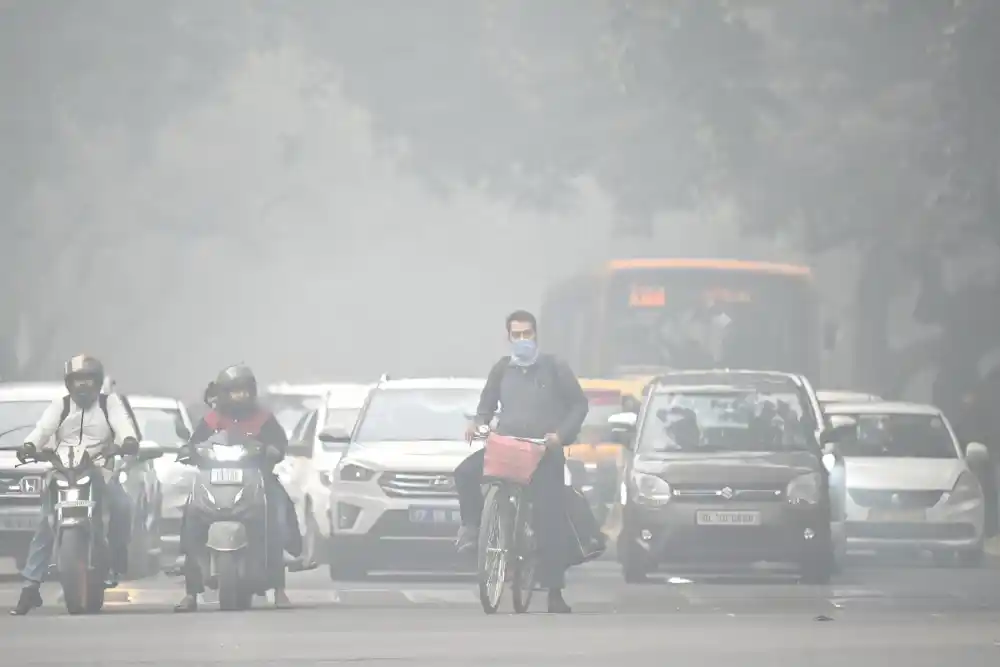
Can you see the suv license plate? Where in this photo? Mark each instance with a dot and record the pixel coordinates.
(435, 515)
(227, 475)
(714, 518)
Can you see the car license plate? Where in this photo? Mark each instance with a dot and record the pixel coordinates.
(227, 475)
(19, 523)
(714, 518)
(63, 504)
(897, 515)
(434, 515)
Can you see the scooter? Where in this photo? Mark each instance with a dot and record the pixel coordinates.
(228, 496)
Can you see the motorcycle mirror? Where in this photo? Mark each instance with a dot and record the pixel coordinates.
(149, 450)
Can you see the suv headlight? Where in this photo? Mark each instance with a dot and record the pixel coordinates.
(650, 489)
(804, 489)
(966, 491)
(355, 473)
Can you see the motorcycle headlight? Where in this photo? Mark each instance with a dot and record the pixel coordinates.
(967, 489)
(122, 477)
(650, 489)
(804, 489)
(355, 473)
(228, 452)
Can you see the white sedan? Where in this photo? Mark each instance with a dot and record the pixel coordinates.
(909, 482)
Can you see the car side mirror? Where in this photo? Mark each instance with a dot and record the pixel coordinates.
(301, 449)
(623, 428)
(149, 450)
(977, 455)
(182, 432)
(335, 436)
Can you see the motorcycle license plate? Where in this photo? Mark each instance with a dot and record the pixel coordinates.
(63, 504)
(227, 475)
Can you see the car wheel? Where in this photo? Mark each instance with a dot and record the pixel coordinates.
(344, 564)
(818, 567)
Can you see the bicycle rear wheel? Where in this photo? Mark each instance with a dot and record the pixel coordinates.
(494, 541)
(524, 558)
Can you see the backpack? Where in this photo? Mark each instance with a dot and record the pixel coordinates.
(102, 400)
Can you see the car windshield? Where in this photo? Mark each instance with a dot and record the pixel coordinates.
(342, 419)
(160, 425)
(731, 419)
(900, 435)
(17, 414)
(288, 409)
(417, 414)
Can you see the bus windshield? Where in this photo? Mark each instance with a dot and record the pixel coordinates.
(698, 318)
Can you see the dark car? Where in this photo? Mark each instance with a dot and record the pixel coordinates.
(727, 469)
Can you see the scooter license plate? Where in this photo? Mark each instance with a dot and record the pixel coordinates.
(227, 475)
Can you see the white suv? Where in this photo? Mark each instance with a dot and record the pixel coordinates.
(393, 498)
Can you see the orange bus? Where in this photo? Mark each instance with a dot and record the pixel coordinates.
(639, 316)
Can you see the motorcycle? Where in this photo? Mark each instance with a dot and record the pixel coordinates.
(228, 496)
(81, 519)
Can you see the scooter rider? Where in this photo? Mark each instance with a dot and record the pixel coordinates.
(88, 418)
(233, 398)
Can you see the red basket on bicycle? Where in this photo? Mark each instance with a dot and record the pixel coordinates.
(511, 459)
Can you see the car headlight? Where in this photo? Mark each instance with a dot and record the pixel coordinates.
(650, 489)
(967, 490)
(355, 473)
(326, 477)
(804, 489)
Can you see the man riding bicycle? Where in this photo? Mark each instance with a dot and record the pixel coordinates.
(541, 398)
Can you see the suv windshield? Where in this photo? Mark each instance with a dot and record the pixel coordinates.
(417, 414)
(725, 419)
(160, 425)
(900, 435)
(14, 414)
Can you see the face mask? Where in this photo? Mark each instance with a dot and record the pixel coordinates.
(524, 352)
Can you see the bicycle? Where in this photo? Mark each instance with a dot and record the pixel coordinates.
(507, 551)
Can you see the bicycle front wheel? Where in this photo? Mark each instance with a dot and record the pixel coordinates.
(524, 556)
(494, 540)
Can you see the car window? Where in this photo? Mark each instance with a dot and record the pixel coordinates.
(417, 414)
(309, 432)
(19, 417)
(160, 425)
(900, 435)
(289, 409)
(737, 419)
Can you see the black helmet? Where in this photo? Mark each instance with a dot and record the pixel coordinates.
(235, 389)
(84, 376)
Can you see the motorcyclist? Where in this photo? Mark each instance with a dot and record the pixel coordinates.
(541, 398)
(233, 399)
(97, 422)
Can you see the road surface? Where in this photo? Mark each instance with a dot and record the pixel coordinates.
(871, 615)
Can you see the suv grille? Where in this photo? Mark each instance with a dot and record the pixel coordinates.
(20, 488)
(904, 499)
(418, 485)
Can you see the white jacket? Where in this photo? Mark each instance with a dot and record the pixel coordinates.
(83, 428)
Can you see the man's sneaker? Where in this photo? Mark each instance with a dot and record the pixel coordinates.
(468, 539)
(31, 598)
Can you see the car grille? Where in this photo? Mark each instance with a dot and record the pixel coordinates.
(896, 499)
(19, 489)
(723, 493)
(418, 485)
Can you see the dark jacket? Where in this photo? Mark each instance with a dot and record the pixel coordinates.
(534, 400)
